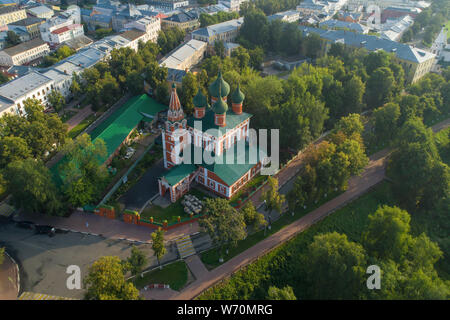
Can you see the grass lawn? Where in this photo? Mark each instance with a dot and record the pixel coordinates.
(81, 126)
(211, 257)
(170, 213)
(174, 274)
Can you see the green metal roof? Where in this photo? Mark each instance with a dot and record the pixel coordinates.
(237, 96)
(228, 172)
(220, 107)
(118, 126)
(200, 101)
(133, 112)
(178, 173)
(219, 87)
(232, 119)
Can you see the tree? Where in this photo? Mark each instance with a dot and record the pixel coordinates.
(75, 88)
(83, 174)
(272, 198)
(312, 45)
(158, 245)
(253, 218)
(223, 223)
(219, 48)
(385, 122)
(106, 281)
(189, 90)
(137, 260)
(380, 87)
(387, 236)
(56, 100)
(12, 38)
(32, 187)
(13, 149)
(135, 83)
(335, 267)
(350, 125)
(285, 293)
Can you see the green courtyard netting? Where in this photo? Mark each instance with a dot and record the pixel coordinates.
(116, 128)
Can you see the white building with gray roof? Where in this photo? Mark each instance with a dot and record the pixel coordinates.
(32, 85)
(416, 62)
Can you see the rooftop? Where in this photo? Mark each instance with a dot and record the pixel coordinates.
(19, 87)
(232, 120)
(66, 28)
(24, 46)
(39, 10)
(8, 9)
(372, 43)
(29, 21)
(132, 34)
(220, 27)
(182, 53)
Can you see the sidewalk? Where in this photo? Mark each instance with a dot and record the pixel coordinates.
(107, 228)
(79, 117)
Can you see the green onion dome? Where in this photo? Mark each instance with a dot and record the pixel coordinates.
(238, 96)
(220, 107)
(200, 101)
(219, 85)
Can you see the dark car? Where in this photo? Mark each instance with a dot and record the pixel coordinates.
(25, 224)
(43, 229)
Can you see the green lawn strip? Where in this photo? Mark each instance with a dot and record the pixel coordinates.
(272, 268)
(170, 213)
(174, 274)
(442, 142)
(81, 126)
(211, 257)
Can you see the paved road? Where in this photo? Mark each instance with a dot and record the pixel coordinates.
(144, 189)
(43, 260)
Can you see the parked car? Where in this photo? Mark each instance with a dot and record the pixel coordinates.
(44, 229)
(130, 152)
(25, 224)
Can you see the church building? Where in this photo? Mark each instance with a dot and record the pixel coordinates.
(213, 129)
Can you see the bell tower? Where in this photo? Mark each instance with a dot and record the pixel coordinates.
(175, 134)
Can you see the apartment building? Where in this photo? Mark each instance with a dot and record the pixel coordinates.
(66, 33)
(31, 24)
(416, 62)
(185, 56)
(225, 31)
(24, 52)
(10, 14)
(42, 12)
(186, 20)
(151, 26)
(32, 85)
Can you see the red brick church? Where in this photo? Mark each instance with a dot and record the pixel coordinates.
(216, 130)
